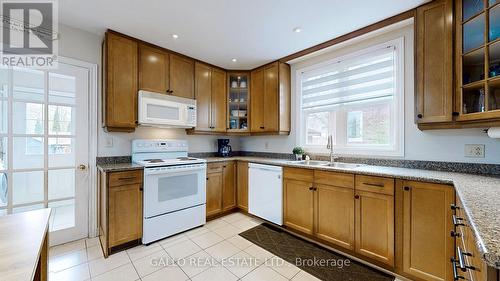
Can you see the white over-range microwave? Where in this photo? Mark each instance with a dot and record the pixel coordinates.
(161, 110)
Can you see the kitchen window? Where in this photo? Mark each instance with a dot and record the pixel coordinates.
(358, 98)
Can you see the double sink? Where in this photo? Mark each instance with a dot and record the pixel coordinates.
(340, 165)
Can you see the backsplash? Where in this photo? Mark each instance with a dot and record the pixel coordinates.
(470, 168)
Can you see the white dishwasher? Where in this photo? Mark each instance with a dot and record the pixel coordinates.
(265, 192)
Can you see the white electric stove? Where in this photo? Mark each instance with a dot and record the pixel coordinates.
(174, 187)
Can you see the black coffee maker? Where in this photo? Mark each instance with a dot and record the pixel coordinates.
(224, 148)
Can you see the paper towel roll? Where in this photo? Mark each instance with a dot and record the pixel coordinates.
(494, 133)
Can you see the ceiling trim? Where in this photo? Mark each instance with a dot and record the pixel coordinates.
(367, 29)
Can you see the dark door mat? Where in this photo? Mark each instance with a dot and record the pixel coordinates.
(328, 266)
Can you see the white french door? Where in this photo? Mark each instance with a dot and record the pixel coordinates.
(44, 143)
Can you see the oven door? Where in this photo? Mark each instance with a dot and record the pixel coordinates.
(169, 189)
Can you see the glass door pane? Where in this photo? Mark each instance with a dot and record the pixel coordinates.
(494, 23)
(473, 34)
(471, 8)
(473, 66)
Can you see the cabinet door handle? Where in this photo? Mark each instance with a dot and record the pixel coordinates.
(461, 260)
(406, 188)
(454, 207)
(356, 196)
(454, 234)
(420, 115)
(456, 277)
(374, 184)
(141, 189)
(457, 221)
(311, 188)
(126, 178)
(262, 127)
(207, 178)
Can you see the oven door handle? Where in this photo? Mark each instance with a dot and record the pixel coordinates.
(156, 171)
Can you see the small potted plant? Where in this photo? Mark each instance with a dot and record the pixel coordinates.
(298, 152)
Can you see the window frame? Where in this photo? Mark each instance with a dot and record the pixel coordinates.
(340, 136)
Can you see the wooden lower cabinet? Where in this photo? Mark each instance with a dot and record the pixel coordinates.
(125, 214)
(242, 185)
(298, 203)
(334, 215)
(424, 224)
(214, 193)
(375, 226)
(229, 186)
(221, 187)
(476, 269)
(120, 208)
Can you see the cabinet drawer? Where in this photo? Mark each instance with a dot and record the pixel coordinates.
(375, 184)
(298, 174)
(215, 167)
(334, 179)
(125, 178)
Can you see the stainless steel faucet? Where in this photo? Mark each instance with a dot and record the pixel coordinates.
(329, 145)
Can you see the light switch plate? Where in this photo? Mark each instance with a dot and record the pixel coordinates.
(474, 150)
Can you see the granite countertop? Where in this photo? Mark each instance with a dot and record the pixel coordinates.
(117, 167)
(479, 194)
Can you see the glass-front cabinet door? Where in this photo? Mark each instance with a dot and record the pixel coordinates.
(238, 101)
(478, 59)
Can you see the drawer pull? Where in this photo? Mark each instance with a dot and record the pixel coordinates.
(454, 234)
(461, 261)
(454, 207)
(456, 221)
(456, 277)
(126, 178)
(374, 184)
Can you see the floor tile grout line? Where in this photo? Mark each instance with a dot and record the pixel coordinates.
(133, 265)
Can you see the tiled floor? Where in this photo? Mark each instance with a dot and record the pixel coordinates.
(212, 252)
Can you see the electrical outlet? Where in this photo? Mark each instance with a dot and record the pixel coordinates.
(474, 150)
(109, 142)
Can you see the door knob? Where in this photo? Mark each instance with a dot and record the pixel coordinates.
(82, 167)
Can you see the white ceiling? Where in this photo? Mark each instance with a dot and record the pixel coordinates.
(254, 32)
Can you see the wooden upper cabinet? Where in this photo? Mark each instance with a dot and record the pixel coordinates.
(181, 76)
(434, 62)
(203, 95)
(120, 62)
(425, 222)
(210, 93)
(218, 101)
(270, 99)
(153, 69)
(257, 100)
